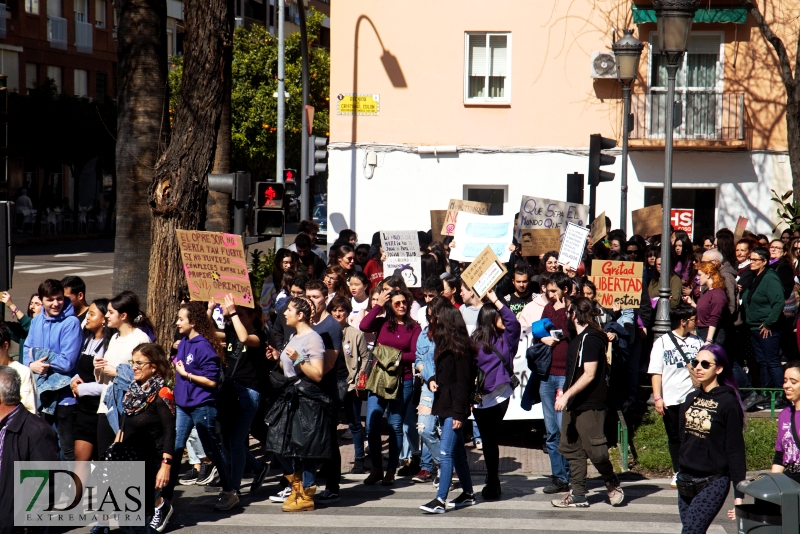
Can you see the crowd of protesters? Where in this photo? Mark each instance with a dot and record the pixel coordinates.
(335, 334)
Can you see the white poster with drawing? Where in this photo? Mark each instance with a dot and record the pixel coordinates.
(402, 255)
(475, 232)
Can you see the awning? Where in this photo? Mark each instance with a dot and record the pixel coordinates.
(642, 15)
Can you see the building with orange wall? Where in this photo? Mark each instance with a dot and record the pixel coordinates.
(488, 102)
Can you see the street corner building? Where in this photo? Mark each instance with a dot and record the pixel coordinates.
(475, 101)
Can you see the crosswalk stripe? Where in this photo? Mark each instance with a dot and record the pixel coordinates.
(451, 520)
(94, 273)
(54, 269)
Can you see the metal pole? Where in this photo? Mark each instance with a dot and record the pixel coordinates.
(304, 207)
(662, 323)
(626, 114)
(280, 151)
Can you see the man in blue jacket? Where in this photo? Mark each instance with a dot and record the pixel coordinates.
(57, 330)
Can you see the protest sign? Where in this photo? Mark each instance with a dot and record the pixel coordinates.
(683, 219)
(402, 255)
(468, 206)
(598, 228)
(437, 221)
(741, 224)
(537, 213)
(537, 242)
(484, 272)
(215, 265)
(617, 281)
(572, 246)
(647, 221)
(474, 232)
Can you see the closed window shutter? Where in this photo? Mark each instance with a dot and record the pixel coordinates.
(477, 55)
(704, 44)
(498, 44)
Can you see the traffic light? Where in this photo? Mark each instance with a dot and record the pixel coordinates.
(289, 182)
(317, 155)
(597, 159)
(268, 216)
(3, 128)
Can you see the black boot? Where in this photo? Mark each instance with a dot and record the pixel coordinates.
(492, 490)
(558, 486)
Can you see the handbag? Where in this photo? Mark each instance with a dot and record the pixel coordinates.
(514, 379)
(690, 486)
(119, 451)
(476, 385)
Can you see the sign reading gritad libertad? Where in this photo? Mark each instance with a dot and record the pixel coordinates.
(617, 281)
(215, 265)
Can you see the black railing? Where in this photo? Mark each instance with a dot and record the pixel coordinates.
(707, 114)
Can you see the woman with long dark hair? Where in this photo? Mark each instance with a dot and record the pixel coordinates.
(397, 330)
(787, 442)
(430, 266)
(285, 260)
(497, 338)
(682, 255)
(453, 355)
(711, 457)
(344, 256)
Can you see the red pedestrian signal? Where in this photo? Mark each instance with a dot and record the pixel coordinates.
(269, 195)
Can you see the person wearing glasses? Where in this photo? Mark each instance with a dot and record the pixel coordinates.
(779, 262)
(362, 256)
(632, 250)
(711, 456)
(794, 255)
(345, 257)
(396, 329)
(762, 305)
(669, 374)
(334, 280)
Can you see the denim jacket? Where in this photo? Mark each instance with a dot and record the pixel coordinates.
(115, 393)
(50, 383)
(424, 357)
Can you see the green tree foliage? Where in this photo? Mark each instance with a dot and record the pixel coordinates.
(255, 80)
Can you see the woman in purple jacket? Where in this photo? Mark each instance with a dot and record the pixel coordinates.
(497, 338)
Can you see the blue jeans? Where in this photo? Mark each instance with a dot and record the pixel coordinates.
(309, 469)
(552, 423)
(194, 448)
(453, 454)
(426, 427)
(396, 410)
(768, 356)
(352, 412)
(235, 432)
(476, 432)
(204, 419)
(410, 435)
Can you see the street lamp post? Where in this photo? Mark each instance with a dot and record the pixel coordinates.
(626, 54)
(674, 22)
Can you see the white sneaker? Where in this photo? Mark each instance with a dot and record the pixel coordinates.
(282, 495)
(674, 483)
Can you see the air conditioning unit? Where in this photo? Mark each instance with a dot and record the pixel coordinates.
(603, 65)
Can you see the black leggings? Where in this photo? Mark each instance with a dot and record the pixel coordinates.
(698, 513)
(671, 414)
(489, 421)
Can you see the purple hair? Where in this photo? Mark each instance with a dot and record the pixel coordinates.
(725, 378)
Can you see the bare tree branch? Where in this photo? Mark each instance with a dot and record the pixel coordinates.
(776, 42)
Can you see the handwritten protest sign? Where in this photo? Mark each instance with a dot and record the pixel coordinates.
(647, 221)
(475, 232)
(598, 228)
(484, 272)
(402, 255)
(437, 221)
(538, 213)
(215, 265)
(537, 242)
(741, 224)
(572, 246)
(617, 281)
(468, 206)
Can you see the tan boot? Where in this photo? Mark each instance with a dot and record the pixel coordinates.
(297, 484)
(304, 501)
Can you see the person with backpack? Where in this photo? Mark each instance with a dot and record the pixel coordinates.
(583, 405)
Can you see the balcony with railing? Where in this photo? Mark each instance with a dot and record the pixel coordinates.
(57, 32)
(711, 120)
(83, 37)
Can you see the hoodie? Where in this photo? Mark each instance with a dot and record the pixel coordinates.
(710, 430)
(199, 358)
(532, 311)
(62, 335)
(507, 345)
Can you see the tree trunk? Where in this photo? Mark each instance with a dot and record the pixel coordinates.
(142, 132)
(179, 189)
(218, 213)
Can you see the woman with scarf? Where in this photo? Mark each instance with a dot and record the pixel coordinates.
(147, 422)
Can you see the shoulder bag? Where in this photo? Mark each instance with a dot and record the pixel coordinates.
(477, 380)
(514, 379)
(119, 451)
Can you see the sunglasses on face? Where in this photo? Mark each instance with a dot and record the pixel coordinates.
(757, 259)
(399, 304)
(705, 364)
(632, 251)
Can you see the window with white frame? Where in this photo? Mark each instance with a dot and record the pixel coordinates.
(487, 68)
(100, 13)
(81, 82)
(32, 7)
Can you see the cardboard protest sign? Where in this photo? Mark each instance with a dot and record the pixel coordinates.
(437, 221)
(215, 265)
(537, 242)
(683, 219)
(617, 281)
(741, 225)
(484, 272)
(475, 232)
(538, 213)
(598, 228)
(402, 255)
(572, 246)
(647, 221)
(468, 206)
